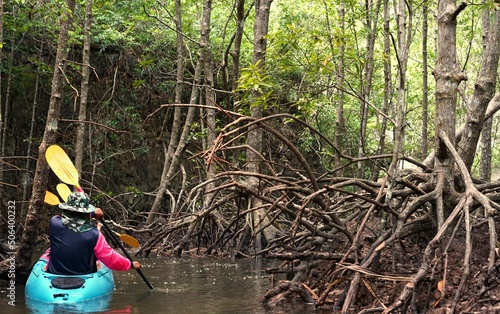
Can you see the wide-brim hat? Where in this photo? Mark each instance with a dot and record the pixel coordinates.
(78, 202)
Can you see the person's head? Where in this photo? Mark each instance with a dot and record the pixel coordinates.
(78, 202)
(75, 214)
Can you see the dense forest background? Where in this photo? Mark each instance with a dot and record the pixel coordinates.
(355, 141)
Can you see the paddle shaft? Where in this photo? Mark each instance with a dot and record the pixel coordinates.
(115, 240)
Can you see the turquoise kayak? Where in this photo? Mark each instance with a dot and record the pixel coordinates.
(59, 289)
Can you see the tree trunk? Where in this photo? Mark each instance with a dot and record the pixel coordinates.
(371, 25)
(388, 89)
(388, 92)
(84, 89)
(404, 40)
(486, 151)
(425, 74)
(486, 147)
(27, 180)
(238, 36)
(6, 111)
(2, 144)
(236, 55)
(261, 26)
(7, 107)
(340, 128)
(484, 89)
(448, 76)
(26, 246)
(210, 99)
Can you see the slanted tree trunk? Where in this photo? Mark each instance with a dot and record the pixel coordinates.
(171, 157)
(207, 64)
(233, 50)
(27, 244)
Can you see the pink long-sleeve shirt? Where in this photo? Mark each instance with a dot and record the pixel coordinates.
(109, 256)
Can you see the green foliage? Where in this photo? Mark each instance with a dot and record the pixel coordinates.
(134, 190)
(101, 195)
(255, 88)
(300, 77)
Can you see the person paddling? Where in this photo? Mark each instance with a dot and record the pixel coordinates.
(76, 245)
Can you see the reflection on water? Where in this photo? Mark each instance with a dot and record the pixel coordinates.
(93, 306)
(186, 285)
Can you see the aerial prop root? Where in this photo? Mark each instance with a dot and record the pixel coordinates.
(466, 201)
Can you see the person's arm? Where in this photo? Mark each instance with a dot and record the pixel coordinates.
(105, 249)
(109, 256)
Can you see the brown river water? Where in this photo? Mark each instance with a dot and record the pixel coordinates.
(185, 285)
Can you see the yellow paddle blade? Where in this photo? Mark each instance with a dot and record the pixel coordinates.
(130, 240)
(62, 166)
(51, 199)
(64, 191)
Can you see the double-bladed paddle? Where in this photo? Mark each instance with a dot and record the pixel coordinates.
(66, 171)
(62, 166)
(51, 199)
(130, 240)
(64, 191)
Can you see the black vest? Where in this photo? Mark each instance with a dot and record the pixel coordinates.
(71, 253)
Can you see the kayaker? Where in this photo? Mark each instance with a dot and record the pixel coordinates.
(75, 242)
